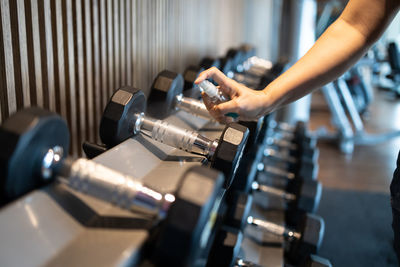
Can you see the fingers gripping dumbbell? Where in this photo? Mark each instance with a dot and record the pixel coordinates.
(302, 242)
(124, 117)
(35, 146)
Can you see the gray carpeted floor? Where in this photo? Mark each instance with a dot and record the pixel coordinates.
(358, 228)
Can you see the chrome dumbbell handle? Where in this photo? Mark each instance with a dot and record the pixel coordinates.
(281, 143)
(274, 228)
(273, 191)
(268, 152)
(275, 171)
(177, 137)
(192, 106)
(114, 187)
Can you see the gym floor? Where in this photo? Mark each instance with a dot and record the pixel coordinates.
(355, 202)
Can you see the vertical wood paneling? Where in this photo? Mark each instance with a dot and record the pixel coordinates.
(97, 66)
(103, 48)
(8, 57)
(82, 118)
(110, 43)
(23, 52)
(49, 54)
(4, 106)
(69, 56)
(89, 97)
(60, 73)
(71, 76)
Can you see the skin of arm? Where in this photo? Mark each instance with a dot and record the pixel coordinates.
(361, 23)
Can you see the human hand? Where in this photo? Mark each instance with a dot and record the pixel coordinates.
(247, 103)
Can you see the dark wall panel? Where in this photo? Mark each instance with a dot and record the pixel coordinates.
(68, 56)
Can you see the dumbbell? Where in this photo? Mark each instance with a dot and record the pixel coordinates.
(226, 249)
(302, 241)
(301, 197)
(302, 167)
(34, 152)
(189, 76)
(237, 56)
(317, 261)
(225, 64)
(302, 150)
(297, 134)
(208, 62)
(166, 97)
(300, 159)
(124, 117)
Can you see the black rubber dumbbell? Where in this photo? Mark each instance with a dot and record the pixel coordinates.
(190, 74)
(317, 261)
(297, 134)
(225, 251)
(300, 198)
(302, 241)
(166, 97)
(303, 167)
(289, 147)
(124, 117)
(34, 153)
(208, 62)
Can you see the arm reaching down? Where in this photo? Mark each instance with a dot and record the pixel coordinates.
(361, 23)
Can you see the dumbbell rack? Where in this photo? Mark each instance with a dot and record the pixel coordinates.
(58, 226)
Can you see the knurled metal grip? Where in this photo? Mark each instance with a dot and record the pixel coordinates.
(122, 190)
(192, 106)
(173, 136)
(273, 228)
(177, 137)
(275, 171)
(273, 191)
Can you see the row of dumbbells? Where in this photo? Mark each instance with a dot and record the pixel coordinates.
(300, 157)
(38, 154)
(167, 96)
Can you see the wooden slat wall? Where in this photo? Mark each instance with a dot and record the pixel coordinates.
(68, 56)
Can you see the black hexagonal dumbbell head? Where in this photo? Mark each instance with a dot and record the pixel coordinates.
(166, 96)
(255, 128)
(166, 86)
(190, 221)
(226, 247)
(312, 228)
(117, 122)
(189, 76)
(208, 62)
(317, 261)
(22, 138)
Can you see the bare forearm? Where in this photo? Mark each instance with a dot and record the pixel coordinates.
(344, 42)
